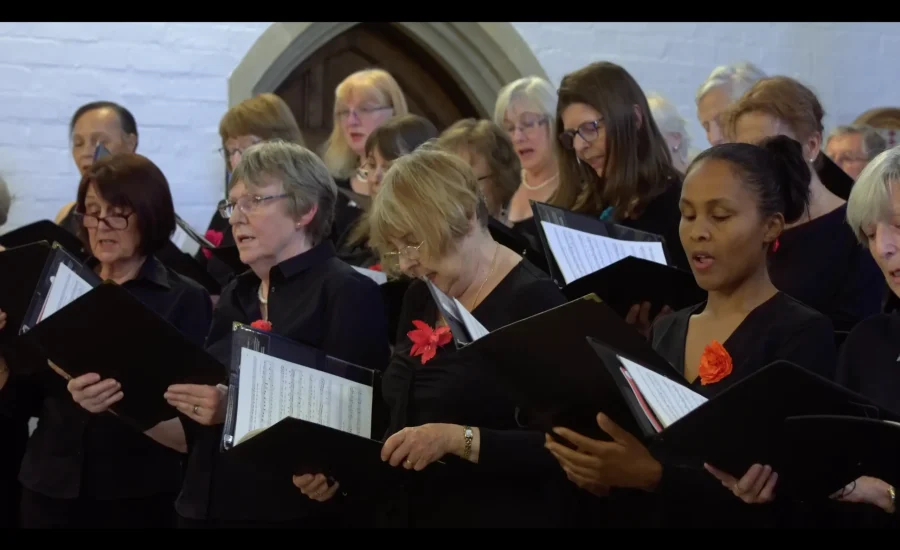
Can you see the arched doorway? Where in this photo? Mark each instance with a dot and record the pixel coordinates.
(430, 90)
(448, 70)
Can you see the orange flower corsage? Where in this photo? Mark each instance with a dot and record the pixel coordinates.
(715, 364)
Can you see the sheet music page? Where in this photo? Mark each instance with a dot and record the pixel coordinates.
(272, 389)
(377, 276)
(65, 287)
(668, 400)
(473, 325)
(578, 253)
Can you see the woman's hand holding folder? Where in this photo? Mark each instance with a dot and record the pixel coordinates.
(757, 486)
(201, 403)
(594, 465)
(639, 316)
(869, 490)
(316, 486)
(93, 394)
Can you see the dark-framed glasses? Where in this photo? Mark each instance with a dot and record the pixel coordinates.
(247, 204)
(113, 221)
(589, 131)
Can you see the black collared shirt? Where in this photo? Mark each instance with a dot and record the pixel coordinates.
(318, 300)
(75, 453)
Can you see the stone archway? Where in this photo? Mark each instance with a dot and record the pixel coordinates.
(483, 57)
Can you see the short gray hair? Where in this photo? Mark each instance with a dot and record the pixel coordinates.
(870, 198)
(5, 201)
(872, 142)
(535, 93)
(738, 77)
(670, 121)
(303, 176)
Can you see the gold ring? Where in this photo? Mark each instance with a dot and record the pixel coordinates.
(408, 463)
(196, 408)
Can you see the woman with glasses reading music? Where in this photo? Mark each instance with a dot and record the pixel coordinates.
(614, 162)
(280, 206)
(429, 220)
(83, 469)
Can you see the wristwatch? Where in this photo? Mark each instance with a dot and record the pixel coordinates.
(467, 433)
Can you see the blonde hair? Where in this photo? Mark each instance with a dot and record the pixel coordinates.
(484, 137)
(428, 197)
(870, 198)
(531, 92)
(377, 84)
(785, 99)
(265, 116)
(303, 178)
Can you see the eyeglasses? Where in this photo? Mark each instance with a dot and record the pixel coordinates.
(115, 221)
(362, 112)
(411, 253)
(228, 153)
(247, 204)
(589, 131)
(527, 124)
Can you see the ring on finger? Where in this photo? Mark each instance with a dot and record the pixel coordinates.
(196, 409)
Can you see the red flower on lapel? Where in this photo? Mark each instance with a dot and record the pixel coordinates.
(262, 324)
(376, 267)
(426, 340)
(715, 364)
(215, 238)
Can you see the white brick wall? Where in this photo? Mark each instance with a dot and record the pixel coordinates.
(172, 76)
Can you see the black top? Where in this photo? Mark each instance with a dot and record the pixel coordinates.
(74, 453)
(868, 365)
(345, 214)
(822, 264)
(517, 481)
(780, 328)
(315, 299)
(221, 228)
(662, 216)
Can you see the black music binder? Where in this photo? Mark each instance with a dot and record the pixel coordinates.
(278, 437)
(518, 243)
(184, 264)
(581, 222)
(230, 256)
(45, 230)
(746, 423)
(835, 450)
(633, 280)
(548, 359)
(20, 271)
(834, 178)
(139, 349)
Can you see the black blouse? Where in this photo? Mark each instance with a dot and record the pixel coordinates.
(516, 482)
(74, 453)
(822, 264)
(780, 328)
(318, 300)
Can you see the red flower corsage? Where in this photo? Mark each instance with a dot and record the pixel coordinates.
(215, 238)
(426, 340)
(262, 324)
(376, 267)
(715, 364)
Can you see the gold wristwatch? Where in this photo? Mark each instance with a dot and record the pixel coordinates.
(467, 433)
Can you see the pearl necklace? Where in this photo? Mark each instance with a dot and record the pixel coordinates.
(539, 186)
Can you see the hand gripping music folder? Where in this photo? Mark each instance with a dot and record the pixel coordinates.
(745, 424)
(547, 358)
(633, 280)
(293, 446)
(45, 230)
(110, 332)
(832, 451)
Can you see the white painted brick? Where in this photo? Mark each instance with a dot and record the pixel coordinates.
(173, 77)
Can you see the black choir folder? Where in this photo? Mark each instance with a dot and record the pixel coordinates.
(112, 333)
(294, 410)
(518, 243)
(35, 280)
(623, 266)
(45, 230)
